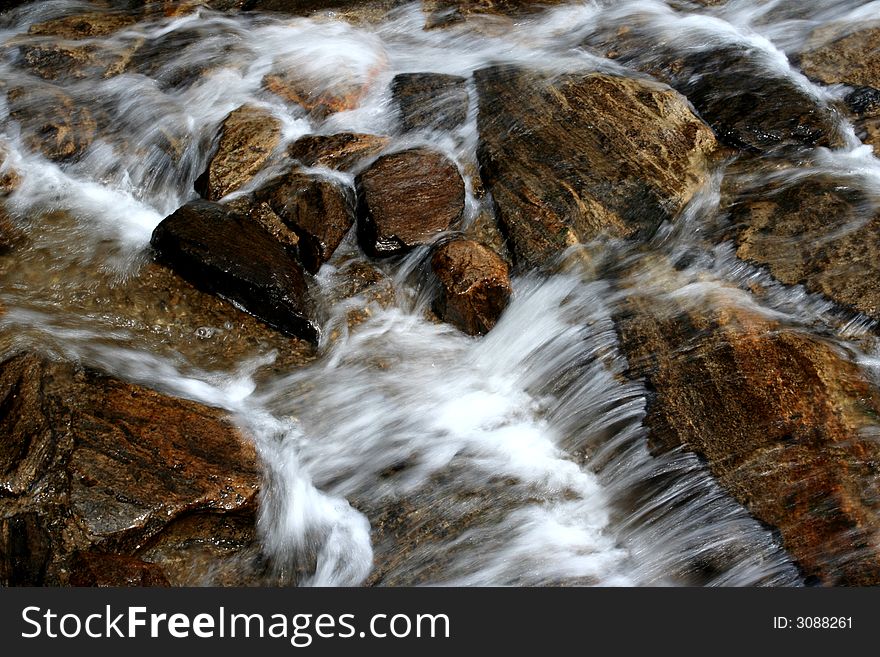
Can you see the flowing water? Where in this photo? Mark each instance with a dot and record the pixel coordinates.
(525, 446)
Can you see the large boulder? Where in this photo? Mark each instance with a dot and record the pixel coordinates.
(433, 101)
(248, 136)
(816, 232)
(784, 421)
(574, 157)
(318, 210)
(474, 285)
(225, 253)
(52, 122)
(343, 151)
(95, 473)
(406, 199)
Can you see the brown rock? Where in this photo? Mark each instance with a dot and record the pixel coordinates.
(316, 98)
(406, 199)
(265, 216)
(356, 11)
(430, 100)
(222, 252)
(51, 121)
(342, 151)
(816, 233)
(575, 157)
(783, 420)
(444, 12)
(318, 210)
(474, 285)
(91, 569)
(247, 138)
(83, 26)
(852, 59)
(91, 466)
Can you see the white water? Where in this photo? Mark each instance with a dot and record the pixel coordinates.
(528, 442)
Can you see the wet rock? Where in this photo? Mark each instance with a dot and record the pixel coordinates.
(178, 58)
(747, 100)
(83, 26)
(53, 123)
(406, 199)
(342, 151)
(357, 11)
(474, 285)
(444, 12)
(816, 233)
(90, 569)
(320, 100)
(849, 59)
(229, 255)
(575, 157)
(864, 102)
(432, 101)
(93, 469)
(319, 211)
(264, 215)
(784, 421)
(248, 136)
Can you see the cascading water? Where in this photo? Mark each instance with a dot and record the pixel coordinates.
(520, 456)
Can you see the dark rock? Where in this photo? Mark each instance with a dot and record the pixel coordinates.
(474, 285)
(784, 421)
(865, 103)
(751, 109)
(92, 469)
(357, 11)
(52, 122)
(816, 233)
(342, 151)
(430, 100)
(231, 256)
(575, 157)
(248, 136)
(92, 569)
(318, 210)
(265, 216)
(406, 199)
(747, 102)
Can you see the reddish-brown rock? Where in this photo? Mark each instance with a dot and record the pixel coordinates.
(248, 136)
(94, 470)
(784, 421)
(406, 199)
(474, 285)
(319, 211)
(342, 151)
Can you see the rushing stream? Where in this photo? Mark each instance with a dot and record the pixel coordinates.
(526, 444)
